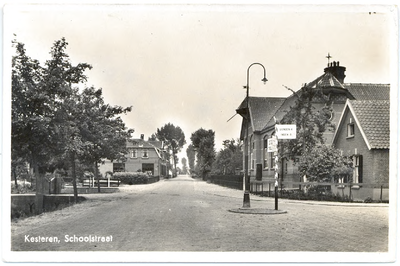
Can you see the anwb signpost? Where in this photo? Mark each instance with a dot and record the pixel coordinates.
(285, 131)
(281, 132)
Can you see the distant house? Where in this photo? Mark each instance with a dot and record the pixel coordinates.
(265, 111)
(143, 156)
(363, 133)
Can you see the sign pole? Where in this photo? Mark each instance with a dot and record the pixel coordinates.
(276, 178)
(281, 132)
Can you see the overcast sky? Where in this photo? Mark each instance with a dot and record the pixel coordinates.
(187, 64)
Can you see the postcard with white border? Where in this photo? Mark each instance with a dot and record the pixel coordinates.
(177, 132)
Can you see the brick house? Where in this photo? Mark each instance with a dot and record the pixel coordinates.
(265, 111)
(144, 156)
(363, 133)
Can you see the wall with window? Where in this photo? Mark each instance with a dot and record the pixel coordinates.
(370, 166)
(138, 158)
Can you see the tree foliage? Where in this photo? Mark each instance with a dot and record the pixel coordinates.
(184, 166)
(324, 163)
(190, 153)
(310, 122)
(230, 158)
(30, 124)
(311, 113)
(203, 143)
(54, 124)
(173, 137)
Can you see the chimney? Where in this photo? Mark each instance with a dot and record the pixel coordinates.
(142, 136)
(336, 70)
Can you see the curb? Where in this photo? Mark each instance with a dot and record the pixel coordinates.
(257, 211)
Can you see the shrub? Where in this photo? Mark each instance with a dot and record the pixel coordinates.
(368, 200)
(22, 188)
(131, 178)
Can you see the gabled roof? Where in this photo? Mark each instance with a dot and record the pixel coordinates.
(145, 143)
(280, 112)
(366, 91)
(262, 109)
(373, 120)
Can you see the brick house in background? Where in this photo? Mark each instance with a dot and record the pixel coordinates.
(264, 110)
(144, 156)
(363, 133)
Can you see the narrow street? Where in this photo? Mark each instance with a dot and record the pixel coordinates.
(183, 214)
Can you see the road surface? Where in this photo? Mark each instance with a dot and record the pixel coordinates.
(183, 214)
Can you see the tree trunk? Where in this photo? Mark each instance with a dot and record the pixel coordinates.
(175, 173)
(39, 198)
(74, 178)
(97, 177)
(14, 173)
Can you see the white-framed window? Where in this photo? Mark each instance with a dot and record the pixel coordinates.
(251, 151)
(252, 160)
(272, 159)
(341, 180)
(357, 170)
(134, 153)
(265, 153)
(145, 153)
(350, 129)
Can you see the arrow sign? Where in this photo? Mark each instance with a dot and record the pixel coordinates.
(285, 131)
(272, 145)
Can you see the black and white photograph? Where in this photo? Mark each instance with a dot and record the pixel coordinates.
(216, 132)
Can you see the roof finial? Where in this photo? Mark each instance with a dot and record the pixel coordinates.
(329, 57)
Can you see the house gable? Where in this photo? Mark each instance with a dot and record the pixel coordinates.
(372, 120)
(261, 110)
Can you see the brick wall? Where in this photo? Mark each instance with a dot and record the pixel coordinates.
(23, 205)
(375, 162)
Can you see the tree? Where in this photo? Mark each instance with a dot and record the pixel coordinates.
(61, 80)
(173, 137)
(203, 142)
(184, 166)
(190, 153)
(310, 122)
(29, 128)
(103, 132)
(56, 126)
(229, 158)
(324, 163)
(318, 161)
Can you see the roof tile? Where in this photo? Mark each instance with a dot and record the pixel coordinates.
(374, 117)
(367, 91)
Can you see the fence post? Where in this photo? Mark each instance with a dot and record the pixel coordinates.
(350, 196)
(269, 189)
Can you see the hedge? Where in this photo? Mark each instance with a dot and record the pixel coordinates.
(131, 178)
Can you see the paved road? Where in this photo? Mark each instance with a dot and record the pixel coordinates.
(183, 214)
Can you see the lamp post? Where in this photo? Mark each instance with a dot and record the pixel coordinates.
(246, 197)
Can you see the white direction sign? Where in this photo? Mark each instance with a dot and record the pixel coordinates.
(272, 145)
(285, 131)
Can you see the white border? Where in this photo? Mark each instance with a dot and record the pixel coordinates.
(292, 257)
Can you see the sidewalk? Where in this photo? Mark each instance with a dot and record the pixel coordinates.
(229, 192)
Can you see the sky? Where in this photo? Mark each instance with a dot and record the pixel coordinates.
(187, 64)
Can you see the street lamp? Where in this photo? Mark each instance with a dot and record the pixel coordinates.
(246, 197)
